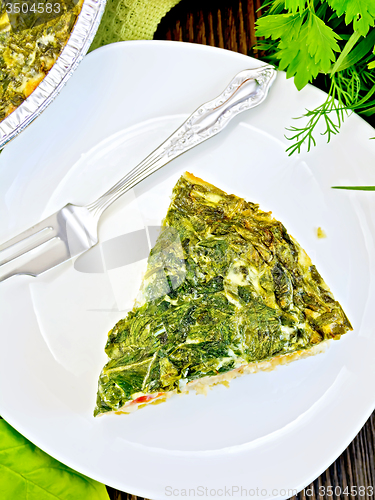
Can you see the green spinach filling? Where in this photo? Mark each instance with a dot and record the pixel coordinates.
(225, 285)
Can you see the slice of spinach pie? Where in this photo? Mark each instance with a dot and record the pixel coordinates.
(227, 291)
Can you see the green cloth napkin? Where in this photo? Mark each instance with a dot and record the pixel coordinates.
(130, 20)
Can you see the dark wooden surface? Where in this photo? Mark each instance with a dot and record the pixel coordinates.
(230, 24)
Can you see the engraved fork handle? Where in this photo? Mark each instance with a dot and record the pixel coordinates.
(248, 89)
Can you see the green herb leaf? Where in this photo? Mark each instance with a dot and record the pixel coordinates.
(295, 6)
(321, 42)
(356, 188)
(371, 64)
(342, 61)
(360, 12)
(27, 473)
(275, 6)
(286, 26)
(369, 112)
(306, 45)
(296, 60)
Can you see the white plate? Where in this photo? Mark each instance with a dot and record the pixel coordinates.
(273, 431)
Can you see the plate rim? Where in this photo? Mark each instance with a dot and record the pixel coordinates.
(144, 492)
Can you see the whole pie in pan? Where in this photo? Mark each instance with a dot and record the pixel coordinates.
(227, 291)
(32, 36)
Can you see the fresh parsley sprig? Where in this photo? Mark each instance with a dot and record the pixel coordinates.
(330, 43)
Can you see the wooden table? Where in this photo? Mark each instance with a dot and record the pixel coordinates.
(230, 24)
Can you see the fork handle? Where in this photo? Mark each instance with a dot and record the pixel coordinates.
(248, 89)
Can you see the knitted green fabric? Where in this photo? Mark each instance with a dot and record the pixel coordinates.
(130, 20)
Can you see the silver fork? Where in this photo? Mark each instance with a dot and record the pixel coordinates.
(73, 229)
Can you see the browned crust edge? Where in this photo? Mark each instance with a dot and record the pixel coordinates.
(201, 386)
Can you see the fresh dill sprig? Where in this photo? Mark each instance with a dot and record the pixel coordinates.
(350, 90)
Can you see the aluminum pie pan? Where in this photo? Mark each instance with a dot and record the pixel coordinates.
(72, 54)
